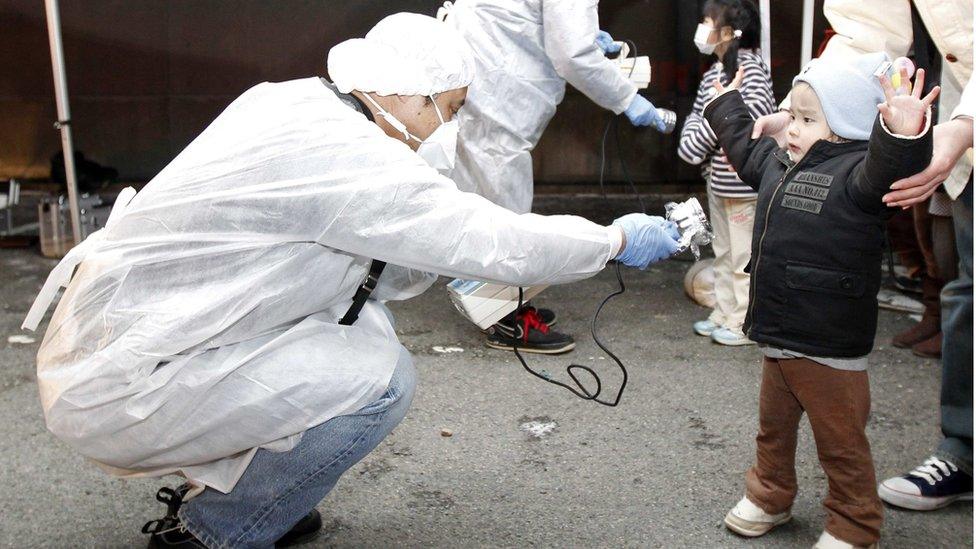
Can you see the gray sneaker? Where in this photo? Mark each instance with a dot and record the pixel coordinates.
(733, 338)
(705, 327)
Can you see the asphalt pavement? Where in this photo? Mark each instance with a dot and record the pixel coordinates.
(527, 463)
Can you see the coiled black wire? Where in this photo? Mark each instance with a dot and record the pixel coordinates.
(580, 390)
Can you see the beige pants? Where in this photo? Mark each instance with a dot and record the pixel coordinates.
(732, 220)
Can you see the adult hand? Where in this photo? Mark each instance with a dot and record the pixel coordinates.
(642, 112)
(950, 140)
(647, 239)
(772, 125)
(605, 41)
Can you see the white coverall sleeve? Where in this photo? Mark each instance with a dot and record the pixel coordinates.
(413, 217)
(399, 210)
(967, 104)
(291, 161)
(570, 28)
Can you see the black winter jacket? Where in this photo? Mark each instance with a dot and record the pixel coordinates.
(819, 232)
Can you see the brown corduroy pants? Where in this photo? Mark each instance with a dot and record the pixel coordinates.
(837, 403)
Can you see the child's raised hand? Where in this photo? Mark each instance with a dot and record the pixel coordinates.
(733, 85)
(905, 114)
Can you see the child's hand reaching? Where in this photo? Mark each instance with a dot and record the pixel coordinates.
(905, 114)
(733, 85)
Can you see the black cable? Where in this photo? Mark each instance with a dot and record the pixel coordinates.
(623, 165)
(612, 121)
(580, 390)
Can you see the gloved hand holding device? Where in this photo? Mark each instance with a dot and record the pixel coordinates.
(642, 112)
(647, 239)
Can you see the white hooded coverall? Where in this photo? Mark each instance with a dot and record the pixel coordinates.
(525, 52)
(201, 323)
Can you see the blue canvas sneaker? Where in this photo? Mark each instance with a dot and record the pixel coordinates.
(932, 485)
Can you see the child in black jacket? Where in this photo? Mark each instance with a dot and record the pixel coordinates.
(816, 270)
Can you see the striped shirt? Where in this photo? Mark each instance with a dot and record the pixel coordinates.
(699, 146)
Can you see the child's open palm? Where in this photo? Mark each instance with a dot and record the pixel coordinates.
(905, 114)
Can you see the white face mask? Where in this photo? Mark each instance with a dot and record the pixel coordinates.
(439, 149)
(701, 39)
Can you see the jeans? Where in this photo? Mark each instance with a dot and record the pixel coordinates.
(279, 488)
(956, 401)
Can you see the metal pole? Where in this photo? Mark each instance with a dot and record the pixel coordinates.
(806, 53)
(64, 112)
(764, 40)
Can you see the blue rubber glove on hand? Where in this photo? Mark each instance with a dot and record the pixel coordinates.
(642, 113)
(605, 41)
(649, 239)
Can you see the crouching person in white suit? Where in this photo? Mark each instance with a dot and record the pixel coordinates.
(218, 327)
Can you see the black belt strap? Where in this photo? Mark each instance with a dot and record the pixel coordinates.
(375, 267)
(362, 294)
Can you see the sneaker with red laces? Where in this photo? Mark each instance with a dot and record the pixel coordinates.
(548, 317)
(529, 329)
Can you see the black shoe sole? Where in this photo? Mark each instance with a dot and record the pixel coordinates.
(537, 350)
(300, 540)
(306, 530)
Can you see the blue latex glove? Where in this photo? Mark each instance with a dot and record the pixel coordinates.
(649, 239)
(642, 113)
(605, 41)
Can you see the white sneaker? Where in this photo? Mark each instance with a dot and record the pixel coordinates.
(705, 327)
(827, 541)
(747, 519)
(725, 336)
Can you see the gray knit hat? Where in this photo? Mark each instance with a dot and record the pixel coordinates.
(849, 92)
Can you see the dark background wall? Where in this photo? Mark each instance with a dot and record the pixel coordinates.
(145, 77)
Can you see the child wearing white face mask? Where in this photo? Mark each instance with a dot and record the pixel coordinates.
(730, 30)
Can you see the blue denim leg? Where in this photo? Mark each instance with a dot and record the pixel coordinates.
(956, 402)
(279, 488)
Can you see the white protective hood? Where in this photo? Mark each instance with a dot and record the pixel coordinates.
(403, 54)
(525, 52)
(201, 323)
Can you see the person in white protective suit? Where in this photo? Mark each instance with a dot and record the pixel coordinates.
(525, 52)
(210, 328)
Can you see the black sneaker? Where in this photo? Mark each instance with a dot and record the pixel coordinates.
(307, 529)
(532, 334)
(547, 316)
(169, 531)
(932, 485)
